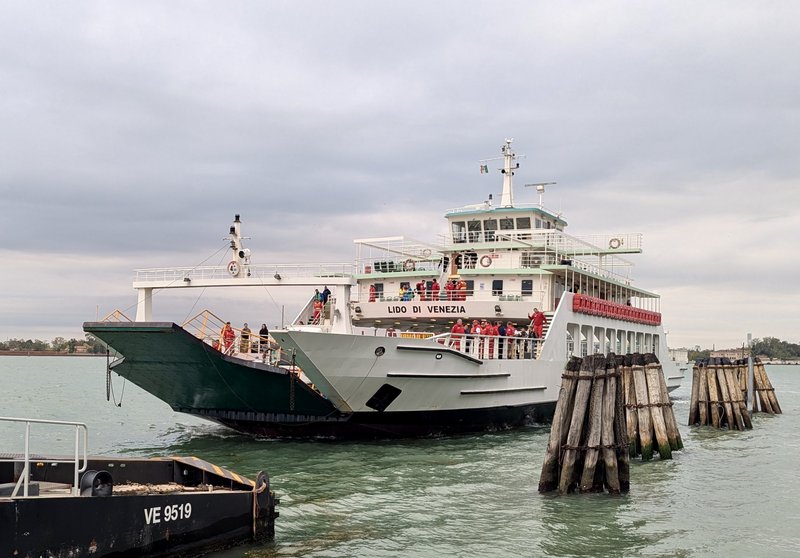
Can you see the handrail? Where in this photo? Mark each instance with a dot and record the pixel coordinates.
(24, 479)
(488, 346)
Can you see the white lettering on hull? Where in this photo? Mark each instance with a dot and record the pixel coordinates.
(454, 309)
(174, 512)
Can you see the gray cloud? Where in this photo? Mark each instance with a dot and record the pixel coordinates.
(132, 132)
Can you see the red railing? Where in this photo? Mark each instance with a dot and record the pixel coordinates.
(598, 307)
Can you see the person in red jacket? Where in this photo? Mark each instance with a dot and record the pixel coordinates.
(435, 288)
(228, 336)
(456, 334)
(538, 319)
(492, 332)
(448, 289)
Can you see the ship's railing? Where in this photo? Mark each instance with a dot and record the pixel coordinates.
(207, 327)
(24, 478)
(508, 295)
(487, 347)
(116, 316)
(254, 271)
(594, 306)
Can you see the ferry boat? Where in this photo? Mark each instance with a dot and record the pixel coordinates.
(375, 353)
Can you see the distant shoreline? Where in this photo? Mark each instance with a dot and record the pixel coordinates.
(49, 353)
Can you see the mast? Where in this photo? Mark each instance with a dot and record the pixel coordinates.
(509, 166)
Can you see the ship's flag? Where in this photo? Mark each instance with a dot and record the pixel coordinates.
(484, 169)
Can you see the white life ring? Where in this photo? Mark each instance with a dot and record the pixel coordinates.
(426, 253)
(233, 268)
(486, 261)
(409, 265)
(614, 243)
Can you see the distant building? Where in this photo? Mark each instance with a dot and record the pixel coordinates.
(732, 354)
(679, 355)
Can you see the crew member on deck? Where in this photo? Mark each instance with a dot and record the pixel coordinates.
(456, 334)
(372, 293)
(538, 320)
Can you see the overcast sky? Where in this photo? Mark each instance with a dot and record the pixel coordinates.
(132, 132)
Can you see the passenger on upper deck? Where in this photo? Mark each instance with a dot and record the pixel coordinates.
(435, 288)
(326, 294)
(461, 289)
(421, 289)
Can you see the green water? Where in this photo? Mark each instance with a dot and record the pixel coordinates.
(725, 494)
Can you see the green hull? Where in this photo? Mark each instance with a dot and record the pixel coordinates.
(193, 377)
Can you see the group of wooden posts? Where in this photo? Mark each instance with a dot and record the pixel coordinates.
(609, 409)
(719, 393)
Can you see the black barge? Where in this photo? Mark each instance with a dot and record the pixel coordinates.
(96, 506)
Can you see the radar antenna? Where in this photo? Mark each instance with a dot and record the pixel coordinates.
(540, 188)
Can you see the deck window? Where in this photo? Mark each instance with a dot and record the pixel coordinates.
(459, 231)
(527, 287)
(523, 222)
(497, 287)
(470, 287)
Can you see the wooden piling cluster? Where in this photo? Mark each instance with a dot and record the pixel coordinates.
(764, 394)
(719, 389)
(588, 446)
(648, 411)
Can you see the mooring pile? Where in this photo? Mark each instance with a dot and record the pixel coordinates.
(608, 409)
(648, 410)
(719, 391)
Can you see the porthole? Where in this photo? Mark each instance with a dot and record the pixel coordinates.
(380, 351)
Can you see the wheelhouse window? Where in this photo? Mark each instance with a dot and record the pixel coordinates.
(459, 231)
(497, 287)
(474, 228)
(523, 224)
(507, 226)
(489, 228)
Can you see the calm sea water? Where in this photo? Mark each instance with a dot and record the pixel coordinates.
(726, 494)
